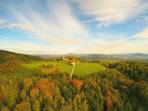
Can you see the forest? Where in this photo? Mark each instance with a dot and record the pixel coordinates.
(30, 83)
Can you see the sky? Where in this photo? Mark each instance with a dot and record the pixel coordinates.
(74, 26)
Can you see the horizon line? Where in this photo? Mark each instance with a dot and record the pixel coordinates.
(74, 53)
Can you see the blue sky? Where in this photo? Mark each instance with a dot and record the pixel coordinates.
(74, 26)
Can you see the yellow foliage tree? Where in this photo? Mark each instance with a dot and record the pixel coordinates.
(4, 108)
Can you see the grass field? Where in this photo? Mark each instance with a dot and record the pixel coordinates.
(81, 69)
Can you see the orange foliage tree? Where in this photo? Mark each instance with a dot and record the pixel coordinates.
(76, 83)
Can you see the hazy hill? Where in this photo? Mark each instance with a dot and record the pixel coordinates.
(130, 56)
(115, 56)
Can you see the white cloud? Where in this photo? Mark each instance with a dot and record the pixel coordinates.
(65, 33)
(22, 47)
(58, 26)
(28, 47)
(5, 24)
(113, 11)
(142, 34)
(120, 45)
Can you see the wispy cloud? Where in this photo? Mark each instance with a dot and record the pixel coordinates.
(6, 24)
(29, 47)
(143, 34)
(58, 26)
(114, 46)
(107, 12)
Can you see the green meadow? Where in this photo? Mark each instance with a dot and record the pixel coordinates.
(81, 68)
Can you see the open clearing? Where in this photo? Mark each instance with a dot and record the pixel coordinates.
(81, 69)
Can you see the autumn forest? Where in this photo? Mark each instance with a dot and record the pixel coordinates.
(31, 83)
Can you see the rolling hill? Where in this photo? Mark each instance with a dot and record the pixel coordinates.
(4, 55)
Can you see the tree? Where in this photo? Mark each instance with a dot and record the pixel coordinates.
(76, 83)
(36, 105)
(23, 106)
(4, 108)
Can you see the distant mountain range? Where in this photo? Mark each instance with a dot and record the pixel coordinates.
(127, 56)
(113, 56)
(103, 56)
